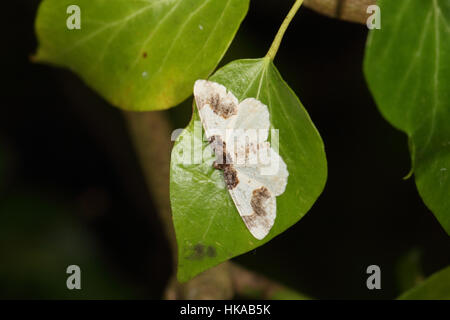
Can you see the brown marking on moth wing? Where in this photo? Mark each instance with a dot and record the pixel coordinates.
(217, 144)
(259, 196)
(249, 149)
(218, 166)
(253, 221)
(230, 175)
(220, 149)
(229, 172)
(213, 139)
(220, 107)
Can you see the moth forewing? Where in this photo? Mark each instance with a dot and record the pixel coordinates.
(217, 107)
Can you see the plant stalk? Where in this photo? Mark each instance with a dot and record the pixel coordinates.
(279, 36)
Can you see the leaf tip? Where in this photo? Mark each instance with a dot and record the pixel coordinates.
(409, 174)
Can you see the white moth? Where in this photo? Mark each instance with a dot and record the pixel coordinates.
(254, 173)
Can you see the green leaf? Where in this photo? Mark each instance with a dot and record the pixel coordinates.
(139, 54)
(409, 270)
(208, 226)
(407, 66)
(436, 287)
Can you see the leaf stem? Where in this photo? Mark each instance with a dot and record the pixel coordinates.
(276, 42)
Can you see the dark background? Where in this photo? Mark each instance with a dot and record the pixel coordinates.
(72, 192)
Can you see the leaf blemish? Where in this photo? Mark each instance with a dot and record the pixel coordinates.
(211, 252)
(144, 55)
(200, 251)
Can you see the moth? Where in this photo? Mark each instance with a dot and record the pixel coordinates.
(254, 173)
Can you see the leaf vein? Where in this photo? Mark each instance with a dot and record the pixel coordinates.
(180, 31)
(105, 27)
(209, 36)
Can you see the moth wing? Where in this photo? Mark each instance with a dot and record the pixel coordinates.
(253, 116)
(251, 130)
(262, 163)
(256, 205)
(216, 106)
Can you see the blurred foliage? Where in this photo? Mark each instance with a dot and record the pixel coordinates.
(407, 66)
(436, 287)
(287, 294)
(40, 239)
(409, 270)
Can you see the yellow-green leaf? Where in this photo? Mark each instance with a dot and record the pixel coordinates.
(436, 287)
(139, 54)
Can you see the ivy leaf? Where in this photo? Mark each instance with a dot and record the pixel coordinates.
(208, 227)
(139, 54)
(407, 66)
(436, 287)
